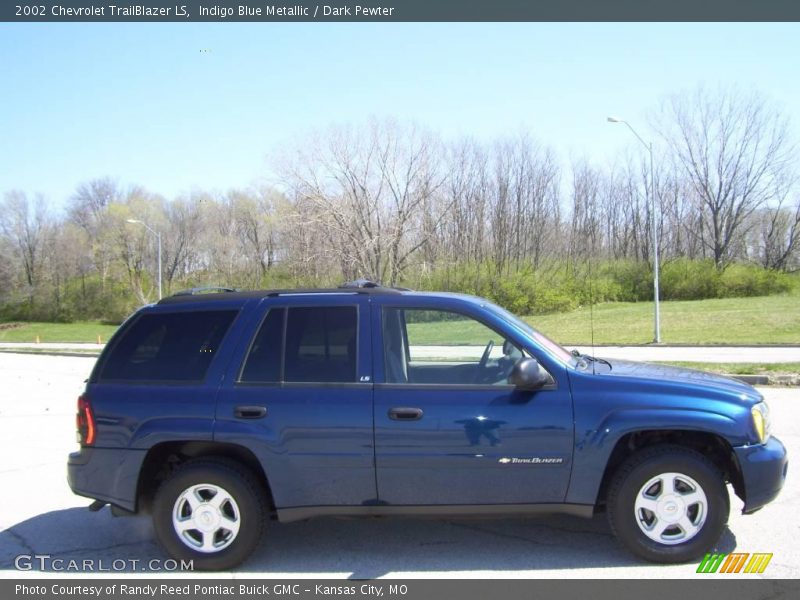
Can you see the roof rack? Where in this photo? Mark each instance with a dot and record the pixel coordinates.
(360, 283)
(198, 295)
(367, 284)
(204, 289)
(347, 288)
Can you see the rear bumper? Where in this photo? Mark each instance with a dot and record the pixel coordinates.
(107, 474)
(764, 469)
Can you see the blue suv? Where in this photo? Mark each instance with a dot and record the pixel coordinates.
(215, 412)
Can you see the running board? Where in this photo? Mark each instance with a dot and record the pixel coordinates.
(299, 513)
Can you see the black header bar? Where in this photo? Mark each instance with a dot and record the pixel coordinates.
(399, 10)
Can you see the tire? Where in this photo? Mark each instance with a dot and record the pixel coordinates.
(210, 511)
(668, 504)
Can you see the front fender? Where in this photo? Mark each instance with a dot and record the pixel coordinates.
(594, 444)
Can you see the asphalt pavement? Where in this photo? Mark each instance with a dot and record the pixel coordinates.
(40, 515)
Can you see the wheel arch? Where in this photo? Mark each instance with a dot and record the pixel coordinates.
(711, 445)
(163, 458)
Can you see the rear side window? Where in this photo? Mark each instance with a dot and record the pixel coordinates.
(168, 347)
(321, 344)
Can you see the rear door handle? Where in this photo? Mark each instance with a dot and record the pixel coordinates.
(250, 412)
(405, 414)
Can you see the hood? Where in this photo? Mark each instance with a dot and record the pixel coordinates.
(666, 373)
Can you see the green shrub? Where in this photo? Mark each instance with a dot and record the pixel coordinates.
(555, 286)
(633, 280)
(684, 279)
(740, 280)
(561, 287)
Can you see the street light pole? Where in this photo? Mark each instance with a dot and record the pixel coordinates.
(158, 238)
(653, 227)
(158, 235)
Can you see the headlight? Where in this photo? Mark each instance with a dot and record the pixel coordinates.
(761, 421)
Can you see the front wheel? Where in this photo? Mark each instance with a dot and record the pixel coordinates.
(668, 504)
(210, 511)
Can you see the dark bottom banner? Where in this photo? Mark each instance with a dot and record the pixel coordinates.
(411, 589)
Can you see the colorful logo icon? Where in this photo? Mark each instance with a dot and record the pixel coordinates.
(735, 562)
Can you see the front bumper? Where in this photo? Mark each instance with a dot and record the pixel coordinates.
(763, 469)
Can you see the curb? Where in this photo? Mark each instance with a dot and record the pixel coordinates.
(51, 353)
(772, 380)
(753, 379)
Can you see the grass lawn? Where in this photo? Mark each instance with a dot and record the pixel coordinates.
(83, 331)
(760, 320)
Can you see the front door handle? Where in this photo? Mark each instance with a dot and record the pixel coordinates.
(250, 412)
(405, 414)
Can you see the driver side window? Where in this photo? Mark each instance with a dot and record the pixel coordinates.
(445, 348)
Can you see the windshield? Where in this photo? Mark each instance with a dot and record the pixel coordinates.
(552, 347)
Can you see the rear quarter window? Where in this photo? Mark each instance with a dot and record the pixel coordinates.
(175, 347)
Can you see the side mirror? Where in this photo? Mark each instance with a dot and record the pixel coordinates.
(528, 375)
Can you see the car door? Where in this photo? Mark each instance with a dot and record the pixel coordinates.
(449, 429)
(299, 396)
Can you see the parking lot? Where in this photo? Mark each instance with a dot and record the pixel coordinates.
(40, 515)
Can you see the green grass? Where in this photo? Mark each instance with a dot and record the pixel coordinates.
(85, 331)
(760, 320)
(739, 368)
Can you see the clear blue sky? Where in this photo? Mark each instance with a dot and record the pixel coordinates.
(142, 103)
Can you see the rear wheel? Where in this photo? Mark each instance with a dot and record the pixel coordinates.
(210, 511)
(668, 504)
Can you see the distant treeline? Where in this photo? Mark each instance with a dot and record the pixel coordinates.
(396, 203)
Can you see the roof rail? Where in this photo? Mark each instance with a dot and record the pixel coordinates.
(342, 289)
(197, 295)
(368, 284)
(200, 290)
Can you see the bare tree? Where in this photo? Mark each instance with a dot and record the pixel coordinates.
(463, 235)
(88, 208)
(184, 230)
(779, 231)
(367, 191)
(527, 200)
(8, 270)
(624, 213)
(63, 253)
(734, 149)
(87, 205)
(24, 223)
(254, 211)
(396, 203)
(586, 229)
(134, 246)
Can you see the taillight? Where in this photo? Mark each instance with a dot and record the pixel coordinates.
(85, 422)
